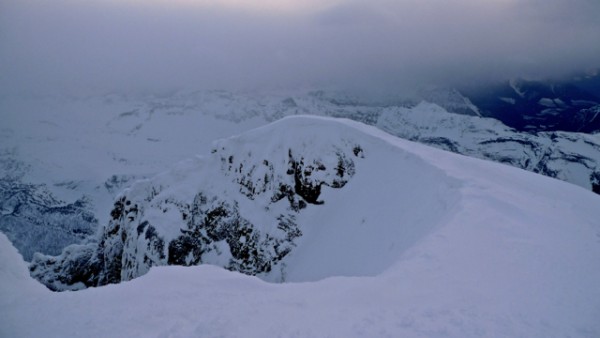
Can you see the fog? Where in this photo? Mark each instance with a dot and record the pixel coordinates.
(72, 46)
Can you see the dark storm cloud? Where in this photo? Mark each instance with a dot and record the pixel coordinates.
(108, 45)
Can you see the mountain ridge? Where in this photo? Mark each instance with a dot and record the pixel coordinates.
(116, 140)
(418, 242)
(244, 206)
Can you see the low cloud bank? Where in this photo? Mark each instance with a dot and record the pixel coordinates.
(68, 46)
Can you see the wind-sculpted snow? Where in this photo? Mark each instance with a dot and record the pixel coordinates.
(241, 207)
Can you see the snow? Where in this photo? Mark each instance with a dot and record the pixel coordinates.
(473, 107)
(596, 111)
(76, 145)
(386, 171)
(508, 100)
(549, 111)
(387, 216)
(514, 84)
(546, 102)
(481, 249)
(15, 281)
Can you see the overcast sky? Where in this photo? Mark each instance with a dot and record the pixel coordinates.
(67, 45)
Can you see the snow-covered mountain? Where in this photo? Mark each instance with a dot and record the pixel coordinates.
(63, 161)
(37, 222)
(571, 157)
(569, 104)
(251, 203)
(89, 149)
(397, 239)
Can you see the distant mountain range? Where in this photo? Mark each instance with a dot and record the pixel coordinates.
(532, 106)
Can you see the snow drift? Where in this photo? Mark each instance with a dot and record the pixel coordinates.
(447, 246)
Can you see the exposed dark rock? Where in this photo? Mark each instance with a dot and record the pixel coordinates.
(77, 267)
(595, 180)
(212, 227)
(441, 142)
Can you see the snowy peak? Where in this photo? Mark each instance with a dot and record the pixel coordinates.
(301, 164)
(238, 207)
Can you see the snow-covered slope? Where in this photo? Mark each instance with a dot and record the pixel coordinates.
(571, 157)
(431, 244)
(73, 150)
(267, 203)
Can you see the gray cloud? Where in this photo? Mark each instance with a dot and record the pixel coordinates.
(106, 45)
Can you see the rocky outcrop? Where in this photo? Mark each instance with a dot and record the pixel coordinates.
(237, 208)
(595, 179)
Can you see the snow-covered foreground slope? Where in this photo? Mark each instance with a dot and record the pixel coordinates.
(511, 254)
